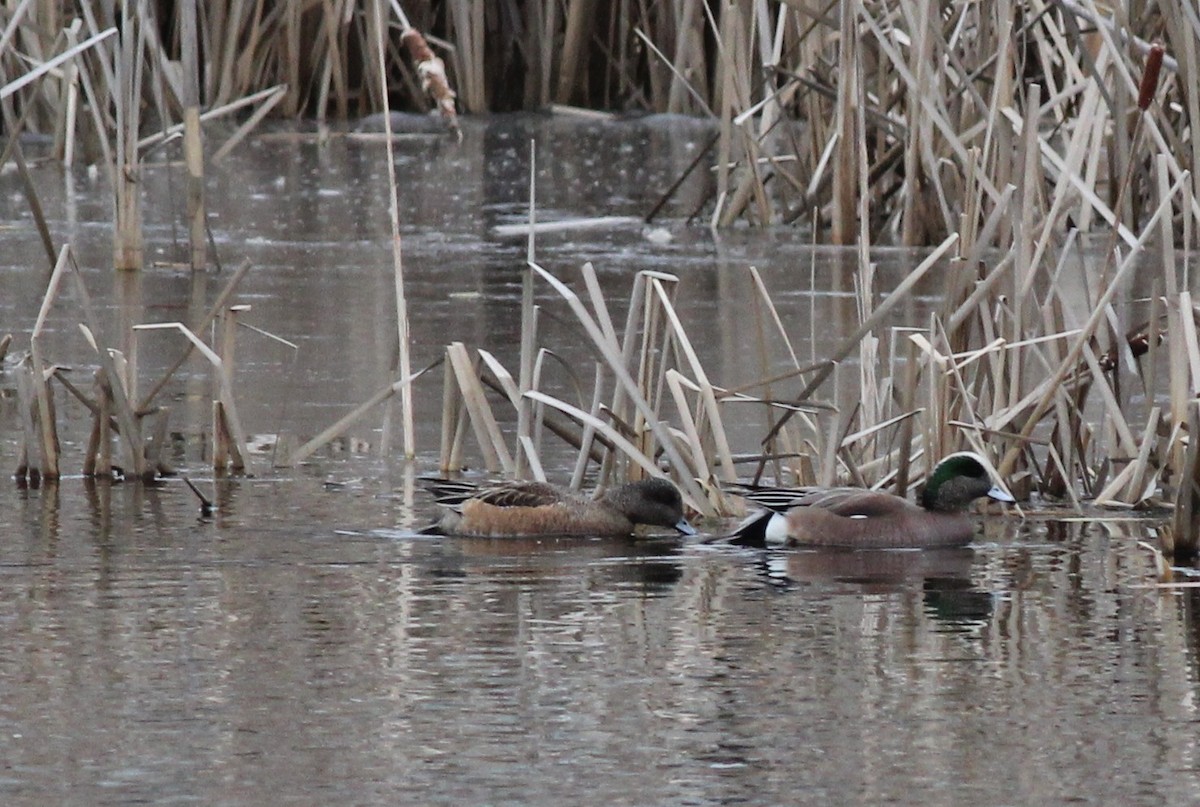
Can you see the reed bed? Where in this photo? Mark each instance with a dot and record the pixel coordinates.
(1001, 135)
(915, 114)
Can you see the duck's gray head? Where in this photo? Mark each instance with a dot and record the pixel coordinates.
(957, 481)
(652, 501)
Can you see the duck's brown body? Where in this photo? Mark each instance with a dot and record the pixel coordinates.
(511, 509)
(854, 518)
(859, 519)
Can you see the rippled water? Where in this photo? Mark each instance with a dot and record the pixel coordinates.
(304, 646)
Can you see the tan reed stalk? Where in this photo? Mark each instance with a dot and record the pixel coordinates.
(496, 456)
(272, 98)
(28, 468)
(1046, 391)
(528, 323)
(31, 197)
(618, 361)
(193, 137)
(127, 225)
(577, 30)
(404, 368)
(452, 413)
(130, 427)
(846, 131)
(342, 424)
(227, 424)
(470, 34)
(97, 461)
(715, 427)
(48, 431)
(269, 98)
(899, 294)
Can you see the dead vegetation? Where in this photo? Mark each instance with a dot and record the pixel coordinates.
(997, 134)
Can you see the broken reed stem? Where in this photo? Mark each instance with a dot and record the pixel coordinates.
(342, 424)
(48, 432)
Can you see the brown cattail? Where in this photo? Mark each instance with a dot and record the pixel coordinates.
(432, 71)
(1150, 77)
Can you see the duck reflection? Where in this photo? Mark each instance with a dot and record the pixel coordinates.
(647, 564)
(944, 576)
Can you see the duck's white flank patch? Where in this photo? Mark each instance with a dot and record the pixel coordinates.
(777, 529)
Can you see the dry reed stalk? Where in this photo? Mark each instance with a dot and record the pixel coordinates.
(576, 31)
(467, 20)
(98, 459)
(452, 417)
(271, 99)
(404, 358)
(529, 323)
(227, 423)
(496, 456)
(220, 304)
(715, 428)
(268, 98)
(339, 427)
(845, 185)
(127, 90)
(193, 150)
(35, 204)
(28, 468)
(589, 434)
(234, 439)
(528, 454)
(42, 394)
(45, 67)
(1046, 391)
(900, 293)
(1181, 541)
(126, 418)
(618, 360)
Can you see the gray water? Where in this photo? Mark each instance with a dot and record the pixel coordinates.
(303, 645)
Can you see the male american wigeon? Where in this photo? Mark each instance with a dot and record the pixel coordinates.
(866, 519)
(511, 509)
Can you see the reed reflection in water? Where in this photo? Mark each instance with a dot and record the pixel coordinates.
(148, 655)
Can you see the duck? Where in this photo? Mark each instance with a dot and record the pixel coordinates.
(525, 508)
(855, 518)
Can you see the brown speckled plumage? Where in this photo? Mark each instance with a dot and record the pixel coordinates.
(520, 508)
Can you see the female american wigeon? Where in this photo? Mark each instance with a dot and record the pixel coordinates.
(866, 519)
(512, 509)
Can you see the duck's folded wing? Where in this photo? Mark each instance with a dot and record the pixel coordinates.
(847, 502)
(857, 502)
(520, 494)
(449, 492)
(778, 500)
(452, 493)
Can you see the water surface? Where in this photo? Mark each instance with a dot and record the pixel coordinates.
(304, 645)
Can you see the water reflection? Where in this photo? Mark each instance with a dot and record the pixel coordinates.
(275, 652)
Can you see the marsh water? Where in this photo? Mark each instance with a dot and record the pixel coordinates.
(305, 645)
